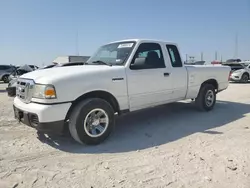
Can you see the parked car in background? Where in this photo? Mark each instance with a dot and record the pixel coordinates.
(245, 63)
(234, 66)
(241, 75)
(34, 67)
(233, 61)
(20, 71)
(11, 89)
(196, 63)
(5, 71)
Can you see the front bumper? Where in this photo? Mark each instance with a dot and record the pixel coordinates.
(235, 77)
(43, 117)
(31, 120)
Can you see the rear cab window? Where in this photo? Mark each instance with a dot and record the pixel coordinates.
(174, 55)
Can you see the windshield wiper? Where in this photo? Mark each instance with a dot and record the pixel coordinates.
(102, 63)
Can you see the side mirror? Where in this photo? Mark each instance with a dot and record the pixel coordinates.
(139, 63)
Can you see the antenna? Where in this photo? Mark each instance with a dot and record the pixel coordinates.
(236, 46)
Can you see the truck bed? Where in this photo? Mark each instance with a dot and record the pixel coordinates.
(197, 74)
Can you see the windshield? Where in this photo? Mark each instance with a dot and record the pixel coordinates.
(113, 54)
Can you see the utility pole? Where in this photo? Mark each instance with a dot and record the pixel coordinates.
(236, 47)
(77, 49)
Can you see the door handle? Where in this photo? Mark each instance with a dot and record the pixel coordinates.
(166, 74)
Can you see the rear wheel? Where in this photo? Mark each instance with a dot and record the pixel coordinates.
(92, 121)
(206, 98)
(5, 78)
(244, 78)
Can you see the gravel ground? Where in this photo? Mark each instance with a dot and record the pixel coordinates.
(174, 147)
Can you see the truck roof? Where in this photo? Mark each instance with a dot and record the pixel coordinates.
(144, 40)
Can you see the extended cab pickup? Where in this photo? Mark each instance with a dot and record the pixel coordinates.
(122, 76)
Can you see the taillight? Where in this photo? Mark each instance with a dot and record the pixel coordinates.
(229, 75)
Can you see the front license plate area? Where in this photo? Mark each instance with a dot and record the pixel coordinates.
(18, 114)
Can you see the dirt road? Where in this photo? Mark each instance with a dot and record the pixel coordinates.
(172, 146)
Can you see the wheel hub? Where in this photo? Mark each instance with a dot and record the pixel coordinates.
(209, 98)
(96, 122)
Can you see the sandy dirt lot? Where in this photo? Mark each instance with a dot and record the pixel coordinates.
(172, 146)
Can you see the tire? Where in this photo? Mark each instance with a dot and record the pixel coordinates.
(202, 103)
(5, 78)
(83, 132)
(244, 78)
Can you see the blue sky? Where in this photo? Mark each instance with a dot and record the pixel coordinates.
(34, 31)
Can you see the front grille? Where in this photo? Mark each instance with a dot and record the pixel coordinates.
(24, 89)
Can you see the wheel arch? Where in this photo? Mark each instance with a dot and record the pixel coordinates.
(96, 94)
(5, 74)
(213, 82)
(246, 73)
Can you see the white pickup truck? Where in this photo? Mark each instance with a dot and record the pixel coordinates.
(122, 76)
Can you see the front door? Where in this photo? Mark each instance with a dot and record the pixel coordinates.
(149, 81)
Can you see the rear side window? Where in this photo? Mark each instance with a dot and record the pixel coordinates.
(174, 55)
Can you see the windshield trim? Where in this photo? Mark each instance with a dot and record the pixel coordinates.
(89, 61)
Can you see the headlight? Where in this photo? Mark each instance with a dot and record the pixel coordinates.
(44, 91)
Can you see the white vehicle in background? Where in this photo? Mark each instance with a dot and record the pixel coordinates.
(241, 75)
(5, 71)
(121, 77)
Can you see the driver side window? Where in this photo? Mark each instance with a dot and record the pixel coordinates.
(148, 56)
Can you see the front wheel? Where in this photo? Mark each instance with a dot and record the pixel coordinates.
(244, 78)
(206, 98)
(91, 121)
(5, 79)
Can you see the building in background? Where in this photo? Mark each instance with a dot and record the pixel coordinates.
(69, 59)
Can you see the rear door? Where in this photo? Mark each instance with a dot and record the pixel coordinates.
(149, 83)
(179, 72)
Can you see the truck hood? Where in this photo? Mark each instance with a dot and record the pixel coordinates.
(48, 76)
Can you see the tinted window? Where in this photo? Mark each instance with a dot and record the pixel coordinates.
(148, 56)
(174, 56)
(4, 67)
